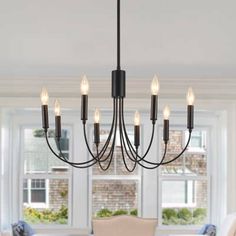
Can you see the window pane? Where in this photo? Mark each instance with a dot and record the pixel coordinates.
(187, 206)
(175, 142)
(49, 205)
(38, 191)
(25, 196)
(196, 164)
(192, 162)
(117, 166)
(198, 141)
(104, 132)
(113, 197)
(38, 196)
(37, 156)
(174, 168)
(25, 184)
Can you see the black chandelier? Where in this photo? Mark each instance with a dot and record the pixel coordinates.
(129, 151)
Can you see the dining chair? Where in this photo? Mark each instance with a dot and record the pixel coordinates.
(124, 226)
(228, 227)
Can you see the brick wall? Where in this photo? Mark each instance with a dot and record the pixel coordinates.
(114, 195)
(58, 193)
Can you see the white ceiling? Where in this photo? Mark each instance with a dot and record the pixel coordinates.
(173, 38)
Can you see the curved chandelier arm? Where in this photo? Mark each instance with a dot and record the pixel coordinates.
(96, 158)
(162, 161)
(123, 146)
(110, 154)
(181, 153)
(132, 157)
(105, 146)
(62, 158)
(111, 151)
(74, 163)
(156, 164)
(127, 137)
(103, 150)
(153, 165)
(133, 152)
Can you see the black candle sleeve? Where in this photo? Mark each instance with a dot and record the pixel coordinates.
(136, 136)
(166, 131)
(84, 108)
(45, 117)
(58, 127)
(190, 117)
(96, 133)
(154, 108)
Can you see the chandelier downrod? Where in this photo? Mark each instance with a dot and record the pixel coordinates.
(118, 35)
(129, 151)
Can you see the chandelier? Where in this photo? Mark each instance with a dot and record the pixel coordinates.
(129, 150)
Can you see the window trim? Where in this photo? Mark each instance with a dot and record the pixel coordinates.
(161, 178)
(37, 204)
(46, 176)
(138, 177)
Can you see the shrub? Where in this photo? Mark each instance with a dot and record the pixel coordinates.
(134, 212)
(64, 193)
(35, 216)
(199, 213)
(169, 213)
(120, 212)
(184, 214)
(104, 213)
(62, 213)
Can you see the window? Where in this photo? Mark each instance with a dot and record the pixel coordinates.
(184, 183)
(38, 190)
(115, 191)
(34, 192)
(46, 180)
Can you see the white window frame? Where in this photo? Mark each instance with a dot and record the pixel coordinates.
(196, 149)
(185, 177)
(45, 176)
(37, 204)
(138, 177)
(190, 203)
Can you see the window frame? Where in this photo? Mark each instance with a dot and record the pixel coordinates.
(29, 194)
(180, 177)
(137, 177)
(68, 176)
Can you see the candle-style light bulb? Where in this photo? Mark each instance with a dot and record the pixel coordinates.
(57, 108)
(190, 96)
(97, 116)
(166, 113)
(136, 118)
(44, 96)
(84, 86)
(155, 86)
